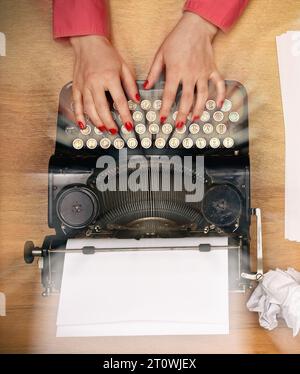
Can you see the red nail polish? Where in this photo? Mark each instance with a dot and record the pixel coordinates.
(196, 118)
(179, 125)
(102, 128)
(128, 126)
(163, 119)
(221, 104)
(146, 83)
(138, 97)
(113, 131)
(81, 125)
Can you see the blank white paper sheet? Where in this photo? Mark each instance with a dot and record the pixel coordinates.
(288, 51)
(165, 292)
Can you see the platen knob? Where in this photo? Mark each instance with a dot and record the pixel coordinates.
(28, 249)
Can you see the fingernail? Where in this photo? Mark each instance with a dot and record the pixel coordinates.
(81, 125)
(138, 97)
(102, 128)
(146, 83)
(128, 126)
(163, 119)
(179, 125)
(196, 118)
(113, 131)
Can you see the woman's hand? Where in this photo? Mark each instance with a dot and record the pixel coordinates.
(99, 68)
(187, 55)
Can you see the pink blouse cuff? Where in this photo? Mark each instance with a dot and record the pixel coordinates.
(80, 17)
(222, 14)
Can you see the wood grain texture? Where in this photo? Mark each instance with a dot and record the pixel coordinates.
(31, 76)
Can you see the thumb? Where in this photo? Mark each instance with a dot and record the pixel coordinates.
(155, 70)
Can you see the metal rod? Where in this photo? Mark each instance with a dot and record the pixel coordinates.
(73, 250)
(259, 249)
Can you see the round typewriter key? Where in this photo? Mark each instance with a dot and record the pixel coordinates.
(105, 143)
(214, 142)
(174, 115)
(131, 105)
(227, 105)
(151, 116)
(154, 128)
(132, 143)
(146, 142)
(119, 143)
(86, 131)
(208, 128)
(218, 116)
(187, 143)
(97, 131)
(160, 143)
(140, 128)
(221, 128)
(156, 104)
(200, 143)
(77, 207)
(77, 143)
(91, 143)
(167, 128)
(234, 117)
(146, 104)
(205, 116)
(181, 130)
(174, 142)
(71, 130)
(194, 128)
(210, 105)
(228, 142)
(137, 116)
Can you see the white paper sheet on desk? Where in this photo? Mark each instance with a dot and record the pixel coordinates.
(166, 292)
(288, 51)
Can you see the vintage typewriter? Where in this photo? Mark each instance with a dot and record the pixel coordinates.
(78, 208)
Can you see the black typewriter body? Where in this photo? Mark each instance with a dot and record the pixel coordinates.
(78, 209)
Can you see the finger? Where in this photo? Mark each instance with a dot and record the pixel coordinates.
(169, 95)
(155, 70)
(202, 95)
(90, 110)
(130, 84)
(186, 102)
(220, 86)
(121, 103)
(78, 108)
(103, 110)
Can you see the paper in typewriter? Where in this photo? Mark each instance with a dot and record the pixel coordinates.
(153, 292)
(288, 50)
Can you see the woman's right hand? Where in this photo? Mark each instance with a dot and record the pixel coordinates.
(99, 68)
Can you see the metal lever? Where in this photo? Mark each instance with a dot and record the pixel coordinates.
(259, 249)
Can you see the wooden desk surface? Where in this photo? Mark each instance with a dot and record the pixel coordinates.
(31, 76)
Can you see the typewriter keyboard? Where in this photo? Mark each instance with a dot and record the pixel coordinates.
(218, 128)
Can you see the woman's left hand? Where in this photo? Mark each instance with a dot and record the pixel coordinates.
(187, 55)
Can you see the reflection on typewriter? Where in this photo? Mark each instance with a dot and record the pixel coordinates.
(78, 208)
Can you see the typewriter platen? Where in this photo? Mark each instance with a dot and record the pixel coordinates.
(79, 206)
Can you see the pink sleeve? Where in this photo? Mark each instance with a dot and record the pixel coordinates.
(79, 17)
(219, 12)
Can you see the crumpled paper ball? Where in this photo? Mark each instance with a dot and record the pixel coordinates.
(277, 296)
